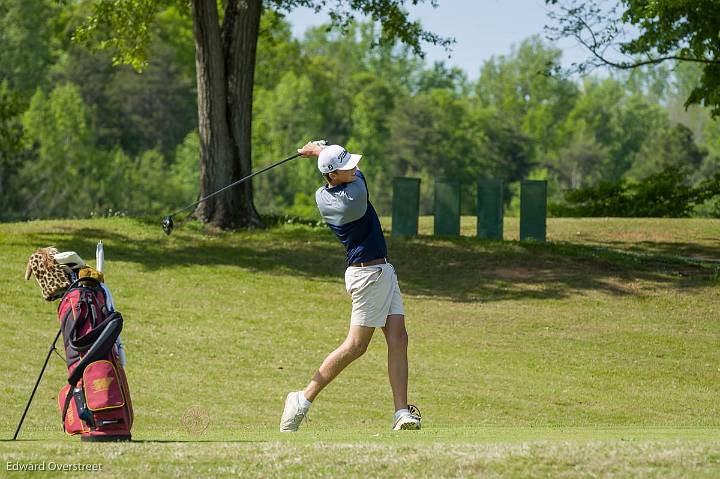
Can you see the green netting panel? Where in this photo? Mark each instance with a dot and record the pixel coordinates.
(490, 209)
(533, 210)
(447, 206)
(405, 206)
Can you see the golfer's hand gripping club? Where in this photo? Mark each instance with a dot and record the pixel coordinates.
(312, 148)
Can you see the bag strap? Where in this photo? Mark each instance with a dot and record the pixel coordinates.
(100, 348)
(86, 297)
(75, 284)
(84, 343)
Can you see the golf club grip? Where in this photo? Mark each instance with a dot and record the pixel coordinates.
(236, 183)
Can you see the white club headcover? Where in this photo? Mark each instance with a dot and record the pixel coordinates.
(70, 259)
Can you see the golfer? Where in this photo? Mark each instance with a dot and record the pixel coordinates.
(369, 279)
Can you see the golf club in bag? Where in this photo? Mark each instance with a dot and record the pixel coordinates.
(167, 222)
(96, 401)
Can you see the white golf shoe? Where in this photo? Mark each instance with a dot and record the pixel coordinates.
(293, 414)
(409, 420)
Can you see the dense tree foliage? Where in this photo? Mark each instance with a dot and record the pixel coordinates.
(665, 194)
(79, 136)
(660, 30)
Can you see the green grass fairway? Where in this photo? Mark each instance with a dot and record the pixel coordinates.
(689, 237)
(594, 355)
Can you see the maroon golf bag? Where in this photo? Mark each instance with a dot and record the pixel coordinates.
(96, 401)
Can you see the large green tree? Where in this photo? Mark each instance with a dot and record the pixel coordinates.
(57, 184)
(27, 35)
(136, 111)
(225, 54)
(659, 31)
(520, 86)
(619, 122)
(673, 147)
(12, 151)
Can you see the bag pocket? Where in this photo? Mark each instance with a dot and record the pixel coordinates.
(102, 388)
(73, 423)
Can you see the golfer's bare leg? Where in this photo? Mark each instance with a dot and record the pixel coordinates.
(397, 342)
(352, 348)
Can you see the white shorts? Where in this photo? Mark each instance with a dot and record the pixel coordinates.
(375, 294)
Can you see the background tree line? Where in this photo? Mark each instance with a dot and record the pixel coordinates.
(79, 136)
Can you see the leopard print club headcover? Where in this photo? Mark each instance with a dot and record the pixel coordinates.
(49, 274)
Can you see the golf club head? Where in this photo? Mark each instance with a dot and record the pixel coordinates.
(167, 225)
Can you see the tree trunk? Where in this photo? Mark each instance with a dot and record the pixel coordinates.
(225, 65)
(240, 34)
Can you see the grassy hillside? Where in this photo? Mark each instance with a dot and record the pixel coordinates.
(692, 237)
(596, 353)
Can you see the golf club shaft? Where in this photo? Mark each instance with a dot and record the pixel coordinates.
(52, 348)
(236, 183)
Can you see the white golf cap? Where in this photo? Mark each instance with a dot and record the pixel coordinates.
(335, 157)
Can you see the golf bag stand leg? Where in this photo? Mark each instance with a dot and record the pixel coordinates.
(42, 371)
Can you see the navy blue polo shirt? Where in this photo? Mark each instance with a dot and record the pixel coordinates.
(348, 212)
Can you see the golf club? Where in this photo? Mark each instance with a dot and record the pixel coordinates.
(167, 222)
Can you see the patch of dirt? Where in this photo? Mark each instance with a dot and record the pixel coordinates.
(651, 236)
(513, 273)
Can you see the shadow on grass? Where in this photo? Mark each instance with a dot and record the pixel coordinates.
(459, 269)
(700, 251)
